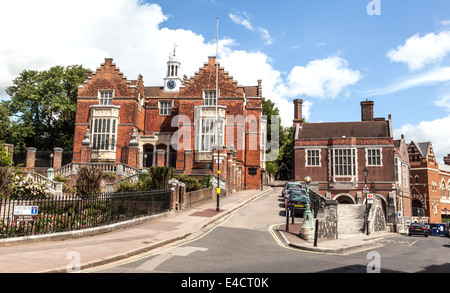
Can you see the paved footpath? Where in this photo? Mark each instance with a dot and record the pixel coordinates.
(56, 253)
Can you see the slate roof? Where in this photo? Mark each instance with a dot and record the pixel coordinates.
(361, 129)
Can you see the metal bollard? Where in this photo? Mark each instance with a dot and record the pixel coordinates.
(287, 220)
(315, 232)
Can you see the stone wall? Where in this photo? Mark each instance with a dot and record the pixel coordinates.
(377, 219)
(327, 229)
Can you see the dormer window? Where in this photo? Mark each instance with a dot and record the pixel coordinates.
(105, 97)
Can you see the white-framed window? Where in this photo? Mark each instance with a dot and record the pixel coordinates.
(405, 175)
(208, 133)
(313, 158)
(343, 162)
(373, 157)
(165, 108)
(104, 133)
(209, 97)
(105, 97)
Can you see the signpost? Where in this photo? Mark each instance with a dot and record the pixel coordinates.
(25, 213)
(366, 188)
(370, 198)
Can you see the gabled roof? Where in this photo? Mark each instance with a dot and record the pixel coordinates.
(422, 147)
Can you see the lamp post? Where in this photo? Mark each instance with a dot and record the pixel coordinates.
(219, 124)
(307, 216)
(307, 229)
(50, 170)
(145, 164)
(366, 220)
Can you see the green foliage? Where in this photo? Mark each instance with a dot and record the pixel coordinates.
(192, 184)
(271, 167)
(160, 176)
(109, 177)
(25, 188)
(286, 137)
(88, 181)
(45, 104)
(6, 181)
(5, 158)
(206, 181)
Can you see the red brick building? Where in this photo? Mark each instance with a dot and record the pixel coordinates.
(121, 120)
(335, 154)
(430, 183)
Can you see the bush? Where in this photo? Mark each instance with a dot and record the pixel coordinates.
(88, 181)
(6, 181)
(26, 188)
(5, 159)
(192, 184)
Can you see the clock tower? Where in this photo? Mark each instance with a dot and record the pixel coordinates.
(172, 82)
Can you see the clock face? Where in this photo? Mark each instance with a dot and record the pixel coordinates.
(171, 84)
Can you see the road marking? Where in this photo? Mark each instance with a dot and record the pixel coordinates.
(153, 263)
(280, 242)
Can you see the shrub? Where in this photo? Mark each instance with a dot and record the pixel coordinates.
(6, 180)
(192, 184)
(88, 181)
(26, 188)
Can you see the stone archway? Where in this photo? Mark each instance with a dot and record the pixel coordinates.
(344, 198)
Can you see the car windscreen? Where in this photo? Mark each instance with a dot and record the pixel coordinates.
(298, 197)
(293, 186)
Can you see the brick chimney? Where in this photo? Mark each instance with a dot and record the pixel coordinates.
(367, 110)
(298, 104)
(447, 160)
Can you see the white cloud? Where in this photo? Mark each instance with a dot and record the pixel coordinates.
(431, 77)
(245, 22)
(444, 102)
(325, 78)
(429, 131)
(132, 33)
(418, 51)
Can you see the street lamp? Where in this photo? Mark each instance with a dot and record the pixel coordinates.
(219, 124)
(307, 214)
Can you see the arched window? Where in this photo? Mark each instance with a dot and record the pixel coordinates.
(444, 190)
(417, 179)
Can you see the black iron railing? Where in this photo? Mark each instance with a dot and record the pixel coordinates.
(68, 212)
(317, 202)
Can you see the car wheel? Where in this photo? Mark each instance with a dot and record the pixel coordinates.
(426, 235)
(409, 234)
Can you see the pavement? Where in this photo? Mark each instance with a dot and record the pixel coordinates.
(81, 250)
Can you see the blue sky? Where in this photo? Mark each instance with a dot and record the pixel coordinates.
(332, 54)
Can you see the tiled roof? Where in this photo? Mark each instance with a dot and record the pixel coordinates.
(347, 129)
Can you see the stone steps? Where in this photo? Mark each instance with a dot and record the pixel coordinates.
(350, 219)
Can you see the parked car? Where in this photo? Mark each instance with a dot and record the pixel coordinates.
(291, 191)
(297, 201)
(418, 229)
(289, 185)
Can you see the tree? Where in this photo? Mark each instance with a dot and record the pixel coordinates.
(285, 137)
(44, 104)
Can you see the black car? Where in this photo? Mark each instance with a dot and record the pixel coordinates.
(297, 201)
(418, 229)
(290, 185)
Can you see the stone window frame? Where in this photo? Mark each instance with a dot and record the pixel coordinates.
(353, 164)
(104, 129)
(106, 101)
(207, 100)
(377, 157)
(163, 109)
(316, 157)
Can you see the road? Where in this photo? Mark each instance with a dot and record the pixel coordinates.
(245, 243)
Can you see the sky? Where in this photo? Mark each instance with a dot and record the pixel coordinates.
(332, 54)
